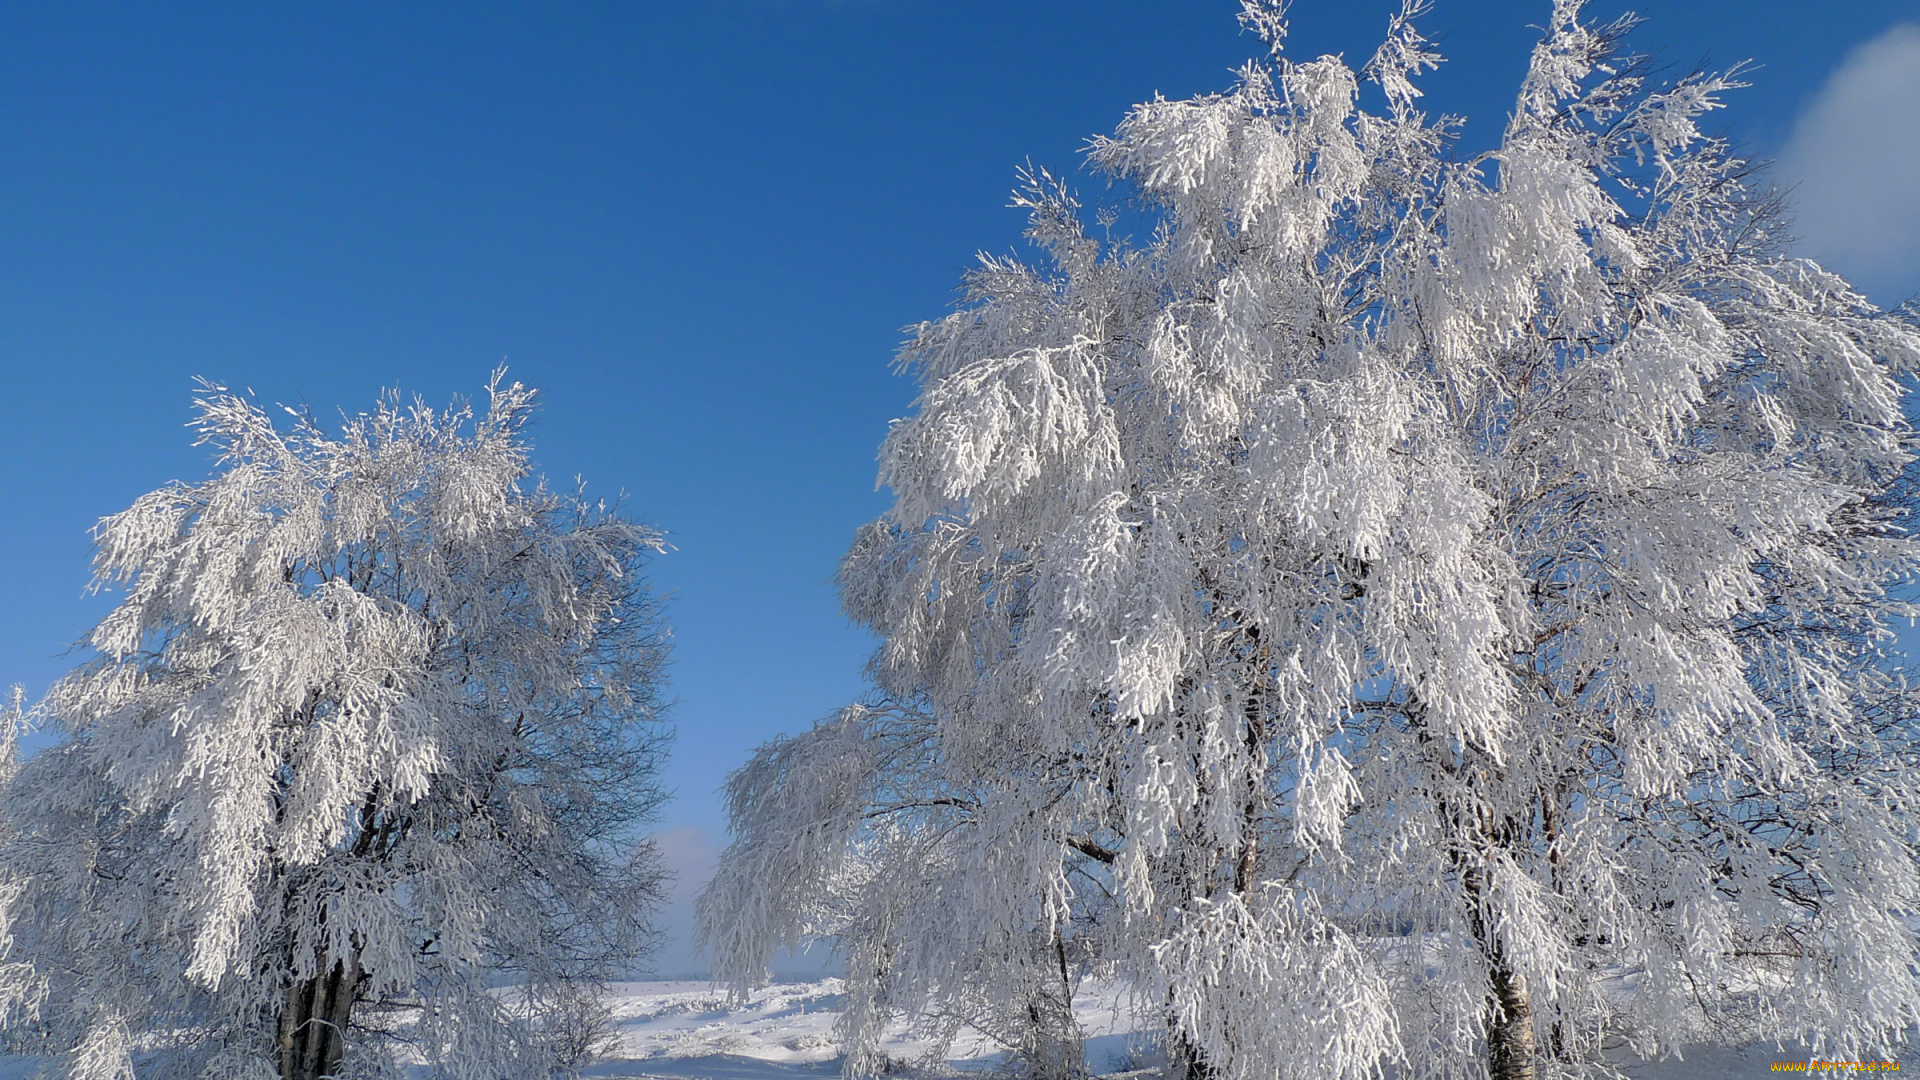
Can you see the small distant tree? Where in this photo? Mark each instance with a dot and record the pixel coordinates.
(1406, 612)
(360, 761)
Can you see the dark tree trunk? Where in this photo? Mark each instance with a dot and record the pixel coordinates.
(1055, 1050)
(1510, 1047)
(1184, 1059)
(316, 1012)
(1188, 1063)
(1510, 1051)
(313, 1023)
(1052, 1046)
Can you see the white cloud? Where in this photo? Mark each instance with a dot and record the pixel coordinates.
(1855, 159)
(690, 853)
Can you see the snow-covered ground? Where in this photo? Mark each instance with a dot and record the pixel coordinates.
(689, 1031)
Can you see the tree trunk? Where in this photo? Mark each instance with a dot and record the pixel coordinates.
(1056, 1048)
(1185, 1058)
(313, 1023)
(1510, 1048)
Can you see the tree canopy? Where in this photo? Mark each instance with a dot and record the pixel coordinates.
(1402, 610)
(367, 737)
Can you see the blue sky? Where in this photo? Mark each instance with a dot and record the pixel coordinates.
(697, 227)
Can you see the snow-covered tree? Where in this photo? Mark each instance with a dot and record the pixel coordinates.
(359, 762)
(1406, 611)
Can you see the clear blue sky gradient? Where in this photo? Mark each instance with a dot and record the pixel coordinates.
(697, 227)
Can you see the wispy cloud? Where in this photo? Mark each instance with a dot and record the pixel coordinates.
(690, 854)
(1855, 158)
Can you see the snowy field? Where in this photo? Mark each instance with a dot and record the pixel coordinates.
(688, 1031)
